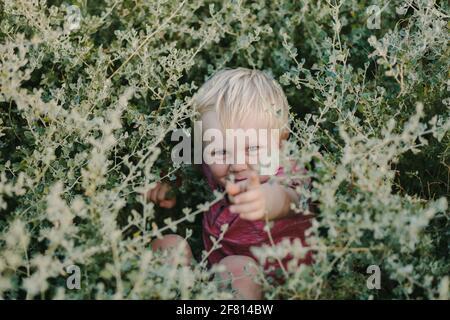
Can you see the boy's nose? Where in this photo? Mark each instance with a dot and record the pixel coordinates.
(235, 168)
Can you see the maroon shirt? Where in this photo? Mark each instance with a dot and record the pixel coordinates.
(242, 234)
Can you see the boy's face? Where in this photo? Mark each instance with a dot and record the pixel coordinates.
(239, 151)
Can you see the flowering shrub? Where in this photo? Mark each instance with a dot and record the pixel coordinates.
(90, 92)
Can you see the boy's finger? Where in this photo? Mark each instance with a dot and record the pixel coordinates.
(168, 204)
(246, 207)
(252, 216)
(161, 194)
(147, 195)
(247, 196)
(232, 188)
(253, 181)
(166, 188)
(153, 194)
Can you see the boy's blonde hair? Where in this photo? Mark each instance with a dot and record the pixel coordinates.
(236, 94)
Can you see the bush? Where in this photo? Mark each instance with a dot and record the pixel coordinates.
(88, 105)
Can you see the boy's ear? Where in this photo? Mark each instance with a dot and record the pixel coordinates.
(284, 136)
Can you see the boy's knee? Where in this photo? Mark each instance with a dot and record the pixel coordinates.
(173, 242)
(168, 241)
(242, 270)
(239, 265)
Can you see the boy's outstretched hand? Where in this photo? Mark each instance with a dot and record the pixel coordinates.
(248, 197)
(160, 195)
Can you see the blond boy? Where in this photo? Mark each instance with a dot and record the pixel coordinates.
(242, 100)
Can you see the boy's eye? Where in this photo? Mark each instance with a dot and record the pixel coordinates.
(218, 153)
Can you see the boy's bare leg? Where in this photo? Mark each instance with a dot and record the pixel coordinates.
(172, 242)
(242, 269)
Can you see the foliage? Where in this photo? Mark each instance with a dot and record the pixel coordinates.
(86, 113)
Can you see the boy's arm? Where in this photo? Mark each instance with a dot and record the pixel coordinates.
(163, 194)
(255, 201)
(279, 199)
